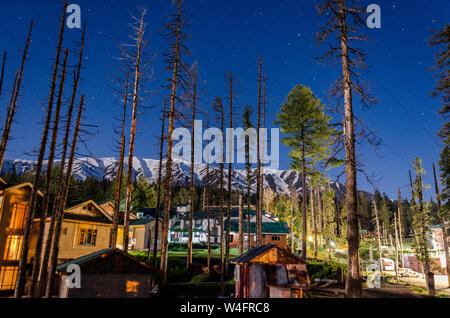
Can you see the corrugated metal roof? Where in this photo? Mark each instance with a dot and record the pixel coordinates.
(251, 254)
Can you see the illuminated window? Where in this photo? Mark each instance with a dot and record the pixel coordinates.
(132, 286)
(88, 237)
(12, 248)
(8, 276)
(18, 213)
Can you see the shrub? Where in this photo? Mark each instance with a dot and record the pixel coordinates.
(325, 270)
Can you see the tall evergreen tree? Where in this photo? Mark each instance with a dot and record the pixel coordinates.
(307, 132)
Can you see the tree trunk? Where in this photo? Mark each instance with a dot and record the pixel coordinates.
(57, 200)
(117, 193)
(21, 274)
(258, 230)
(396, 247)
(444, 229)
(241, 225)
(3, 72)
(353, 287)
(304, 200)
(229, 77)
(137, 76)
(45, 205)
(313, 219)
(377, 224)
(62, 206)
(176, 38)
(158, 186)
(400, 231)
(14, 97)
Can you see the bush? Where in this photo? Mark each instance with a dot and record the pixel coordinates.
(203, 277)
(325, 270)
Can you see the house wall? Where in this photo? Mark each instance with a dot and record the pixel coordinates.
(8, 200)
(69, 247)
(266, 239)
(112, 286)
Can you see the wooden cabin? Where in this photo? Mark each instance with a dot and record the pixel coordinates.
(109, 273)
(86, 228)
(14, 202)
(272, 233)
(143, 233)
(270, 271)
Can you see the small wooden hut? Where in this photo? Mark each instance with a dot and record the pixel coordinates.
(270, 271)
(109, 273)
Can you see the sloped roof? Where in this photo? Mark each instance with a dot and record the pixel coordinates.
(267, 227)
(102, 211)
(100, 254)
(251, 254)
(142, 221)
(283, 255)
(25, 184)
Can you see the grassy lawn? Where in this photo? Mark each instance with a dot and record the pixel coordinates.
(196, 253)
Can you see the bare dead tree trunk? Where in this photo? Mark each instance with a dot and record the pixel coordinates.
(377, 224)
(59, 192)
(241, 225)
(62, 205)
(117, 193)
(192, 189)
(137, 60)
(21, 274)
(158, 186)
(229, 78)
(34, 291)
(221, 214)
(176, 67)
(3, 71)
(400, 231)
(14, 97)
(208, 215)
(444, 228)
(396, 247)
(258, 230)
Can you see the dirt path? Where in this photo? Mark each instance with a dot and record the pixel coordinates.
(386, 291)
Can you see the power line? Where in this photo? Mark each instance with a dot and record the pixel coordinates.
(432, 137)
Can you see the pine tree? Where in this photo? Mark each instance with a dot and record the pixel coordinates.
(307, 133)
(345, 25)
(421, 220)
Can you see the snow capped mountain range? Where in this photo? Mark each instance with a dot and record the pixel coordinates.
(105, 168)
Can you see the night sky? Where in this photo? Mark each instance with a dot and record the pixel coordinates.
(229, 35)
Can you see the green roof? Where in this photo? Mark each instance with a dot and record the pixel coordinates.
(267, 227)
(142, 221)
(180, 230)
